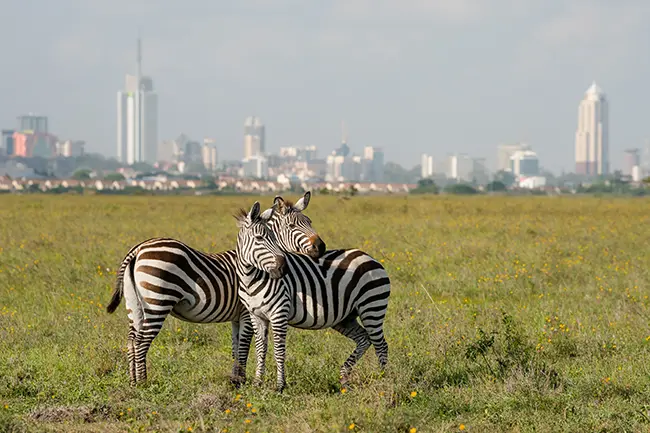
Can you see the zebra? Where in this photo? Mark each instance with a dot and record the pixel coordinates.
(163, 276)
(281, 289)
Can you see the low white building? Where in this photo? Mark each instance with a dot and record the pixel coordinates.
(255, 166)
(532, 182)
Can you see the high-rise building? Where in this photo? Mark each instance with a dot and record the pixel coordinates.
(524, 163)
(137, 118)
(632, 159)
(209, 154)
(28, 144)
(32, 122)
(479, 171)
(344, 149)
(193, 152)
(592, 135)
(253, 137)
(167, 151)
(505, 152)
(7, 144)
(426, 166)
(70, 148)
(372, 165)
(460, 167)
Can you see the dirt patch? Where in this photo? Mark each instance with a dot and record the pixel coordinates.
(207, 402)
(69, 413)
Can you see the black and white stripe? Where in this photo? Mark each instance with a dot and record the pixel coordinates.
(163, 276)
(333, 291)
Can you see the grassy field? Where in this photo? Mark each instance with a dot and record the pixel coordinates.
(506, 314)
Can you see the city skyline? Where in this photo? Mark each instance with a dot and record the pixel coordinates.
(359, 63)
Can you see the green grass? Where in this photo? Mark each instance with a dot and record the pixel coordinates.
(506, 314)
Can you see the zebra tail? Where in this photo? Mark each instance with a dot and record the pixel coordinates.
(119, 283)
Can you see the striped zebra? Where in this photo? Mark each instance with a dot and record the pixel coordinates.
(281, 289)
(163, 276)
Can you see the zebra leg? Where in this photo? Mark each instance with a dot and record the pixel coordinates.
(375, 331)
(131, 354)
(242, 335)
(261, 328)
(236, 368)
(279, 350)
(245, 337)
(359, 335)
(143, 341)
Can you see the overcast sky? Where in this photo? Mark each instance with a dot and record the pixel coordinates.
(411, 76)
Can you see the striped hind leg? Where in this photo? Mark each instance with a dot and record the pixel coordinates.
(146, 320)
(131, 354)
(351, 329)
(143, 341)
(373, 321)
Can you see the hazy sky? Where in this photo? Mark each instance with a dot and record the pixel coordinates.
(412, 76)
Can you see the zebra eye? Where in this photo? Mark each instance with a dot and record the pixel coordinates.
(292, 226)
(259, 238)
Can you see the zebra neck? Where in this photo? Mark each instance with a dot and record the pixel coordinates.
(248, 275)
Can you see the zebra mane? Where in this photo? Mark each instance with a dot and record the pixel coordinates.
(240, 215)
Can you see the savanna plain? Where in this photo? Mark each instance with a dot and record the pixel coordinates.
(506, 314)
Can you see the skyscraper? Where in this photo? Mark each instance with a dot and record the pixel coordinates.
(426, 166)
(32, 122)
(505, 152)
(592, 135)
(253, 137)
(632, 159)
(137, 118)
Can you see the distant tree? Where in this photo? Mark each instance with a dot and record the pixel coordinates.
(210, 184)
(425, 186)
(496, 186)
(505, 177)
(81, 174)
(460, 189)
(143, 166)
(396, 173)
(111, 177)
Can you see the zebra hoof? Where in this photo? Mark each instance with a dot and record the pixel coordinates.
(237, 381)
(280, 389)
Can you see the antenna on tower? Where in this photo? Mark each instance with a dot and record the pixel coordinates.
(344, 134)
(139, 58)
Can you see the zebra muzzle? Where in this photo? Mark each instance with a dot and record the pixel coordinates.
(280, 267)
(318, 247)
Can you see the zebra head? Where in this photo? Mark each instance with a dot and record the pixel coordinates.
(293, 229)
(257, 246)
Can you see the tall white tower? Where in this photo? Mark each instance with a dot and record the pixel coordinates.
(254, 137)
(137, 117)
(592, 135)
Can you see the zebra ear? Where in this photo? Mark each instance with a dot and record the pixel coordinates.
(279, 204)
(267, 214)
(254, 213)
(302, 204)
